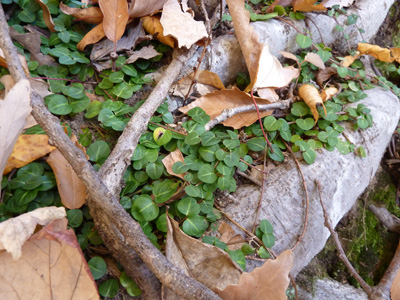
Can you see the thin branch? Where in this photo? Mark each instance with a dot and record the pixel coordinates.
(230, 112)
(261, 124)
(240, 173)
(391, 222)
(342, 254)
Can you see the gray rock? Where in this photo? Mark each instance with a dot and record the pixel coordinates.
(343, 179)
(328, 289)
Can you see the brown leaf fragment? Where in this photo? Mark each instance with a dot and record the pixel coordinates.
(71, 188)
(172, 158)
(213, 104)
(22, 59)
(46, 16)
(395, 288)
(307, 6)
(230, 237)
(328, 93)
(268, 94)
(28, 148)
(315, 59)
(146, 52)
(325, 74)
(181, 25)
(153, 26)
(206, 263)
(115, 17)
(14, 110)
(348, 60)
(289, 55)
(141, 8)
(382, 54)
(90, 15)
(15, 231)
(52, 267)
(268, 282)
(396, 54)
(93, 36)
(312, 98)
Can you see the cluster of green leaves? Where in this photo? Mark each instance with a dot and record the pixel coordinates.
(352, 19)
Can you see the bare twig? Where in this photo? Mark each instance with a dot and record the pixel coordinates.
(240, 173)
(230, 112)
(391, 222)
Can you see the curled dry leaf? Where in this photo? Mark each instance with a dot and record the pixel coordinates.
(153, 26)
(93, 36)
(213, 104)
(115, 18)
(172, 158)
(146, 52)
(29, 147)
(52, 266)
(348, 60)
(315, 59)
(206, 263)
(181, 24)
(15, 231)
(46, 16)
(312, 98)
(328, 93)
(382, 54)
(268, 282)
(206, 82)
(289, 55)
(325, 74)
(265, 70)
(230, 237)
(141, 8)
(307, 6)
(14, 110)
(91, 15)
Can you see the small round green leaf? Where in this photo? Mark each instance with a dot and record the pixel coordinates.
(195, 225)
(303, 41)
(271, 123)
(98, 151)
(257, 144)
(109, 288)
(266, 226)
(58, 104)
(75, 217)
(179, 168)
(154, 170)
(305, 124)
(130, 285)
(144, 209)
(268, 240)
(188, 206)
(206, 174)
(98, 267)
(192, 138)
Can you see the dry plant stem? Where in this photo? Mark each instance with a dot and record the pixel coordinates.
(240, 173)
(261, 124)
(342, 255)
(383, 288)
(305, 191)
(122, 235)
(230, 112)
(391, 222)
(120, 158)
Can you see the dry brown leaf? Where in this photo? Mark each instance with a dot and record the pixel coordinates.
(307, 6)
(22, 59)
(146, 52)
(328, 93)
(213, 104)
(268, 282)
(395, 288)
(172, 158)
(28, 148)
(91, 15)
(230, 237)
(93, 36)
(71, 189)
(52, 267)
(315, 59)
(341, 3)
(181, 25)
(268, 94)
(208, 78)
(14, 110)
(289, 55)
(324, 75)
(206, 82)
(141, 8)
(153, 26)
(115, 18)
(265, 69)
(312, 98)
(348, 60)
(380, 53)
(15, 231)
(46, 16)
(206, 263)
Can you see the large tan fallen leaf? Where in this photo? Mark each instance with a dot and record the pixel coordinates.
(146, 52)
(115, 18)
(153, 26)
(71, 189)
(14, 110)
(312, 98)
(213, 104)
(265, 70)
(268, 282)
(382, 54)
(206, 263)
(14, 232)
(46, 16)
(28, 148)
(141, 8)
(233, 240)
(93, 36)
(307, 6)
(181, 24)
(172, 158)
(395, 288)
(52, 266)
(91, 15)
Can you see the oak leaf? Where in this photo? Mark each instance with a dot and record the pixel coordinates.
(172, 158)
(115, 18)
(52, 266)
(213, 104)
(28, 148)
(90, 15)
(307, 6)
(15, 231)
(206, 263)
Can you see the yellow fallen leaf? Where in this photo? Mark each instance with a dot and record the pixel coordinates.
(328, 93)
(348, 60)
(93, 36)
(153, 26)
(312, 98)
(28, 148)
(380, 53)
(307, 6)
